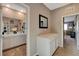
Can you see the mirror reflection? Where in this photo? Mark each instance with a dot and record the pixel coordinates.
(13, 22)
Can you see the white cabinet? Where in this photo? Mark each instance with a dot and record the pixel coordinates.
(6, 42)
(13, 40)
(47, 44)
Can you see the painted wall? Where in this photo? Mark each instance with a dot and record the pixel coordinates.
(35, 10)
(57, 19)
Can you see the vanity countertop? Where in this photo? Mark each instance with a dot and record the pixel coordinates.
(48, 35)
(11, 34)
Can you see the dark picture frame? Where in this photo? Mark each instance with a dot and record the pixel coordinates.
(43, 21)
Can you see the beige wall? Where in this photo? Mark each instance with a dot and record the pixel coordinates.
(35, 10)
(57, 19)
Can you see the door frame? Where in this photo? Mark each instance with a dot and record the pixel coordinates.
(28, 29)
(63, 26)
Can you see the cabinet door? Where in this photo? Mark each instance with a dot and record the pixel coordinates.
(43, 46)
(52, 47)
(6, 42)
(14, 40)
(18, 40)
(21, 39)
(56, 43)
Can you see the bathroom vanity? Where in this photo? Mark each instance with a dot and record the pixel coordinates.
(47, 44)
(13, 40)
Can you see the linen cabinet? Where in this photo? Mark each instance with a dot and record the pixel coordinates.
(47, 44)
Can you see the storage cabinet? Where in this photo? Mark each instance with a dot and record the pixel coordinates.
(47, 44)
(13, 40)
(6, 42)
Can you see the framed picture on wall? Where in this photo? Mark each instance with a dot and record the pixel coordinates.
(43, 21)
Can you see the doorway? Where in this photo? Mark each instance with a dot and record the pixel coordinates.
(69, 30)
(14, 29)
(70, 39)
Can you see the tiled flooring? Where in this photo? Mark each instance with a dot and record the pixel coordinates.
(18, 51)
(69, 49)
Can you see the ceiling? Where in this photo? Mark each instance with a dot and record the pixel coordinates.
(53, 6)
(15, 6)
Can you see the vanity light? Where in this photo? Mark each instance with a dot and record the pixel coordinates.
(22, 10)
(19, 13)
(7, 5)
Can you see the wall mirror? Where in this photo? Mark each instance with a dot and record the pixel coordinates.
(13, 21)
(43, 21)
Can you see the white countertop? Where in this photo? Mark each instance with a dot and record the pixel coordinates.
(11, 34)
(48, 35)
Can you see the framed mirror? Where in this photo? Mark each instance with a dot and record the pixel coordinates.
(43, 21)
